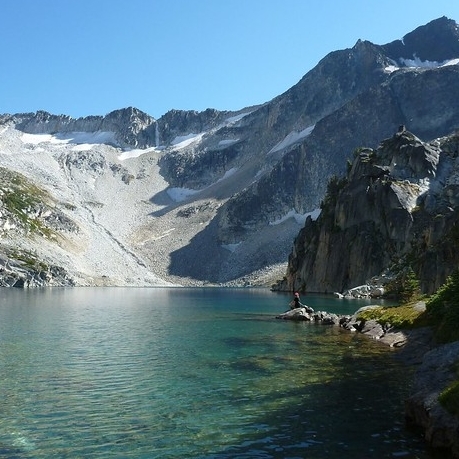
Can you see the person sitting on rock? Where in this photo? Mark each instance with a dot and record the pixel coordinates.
(296, 303)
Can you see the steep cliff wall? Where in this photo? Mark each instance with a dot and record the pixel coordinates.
(398, 205)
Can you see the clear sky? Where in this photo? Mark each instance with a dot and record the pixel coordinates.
(89, 57)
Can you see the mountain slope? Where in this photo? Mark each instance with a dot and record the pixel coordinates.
(218, 197)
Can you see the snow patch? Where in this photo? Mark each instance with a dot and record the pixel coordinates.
(231, 247)
(180, 194)
(391, 68)
(79, 138)
(418, 63)
(299, 218)
(36, 139)
(228, 173)
(185, 140)
(451, 62)
(236, 118)
(84, 141)
(225, 143)
(128, 154)
(292, 138)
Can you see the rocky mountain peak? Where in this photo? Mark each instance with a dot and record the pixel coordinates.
(130, 116)
(403, 156)
(436, 41)
(132, 126)
(181, 122)
(215, 196)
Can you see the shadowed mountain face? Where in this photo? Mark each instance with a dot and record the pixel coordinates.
(218, 197)
(398, 205)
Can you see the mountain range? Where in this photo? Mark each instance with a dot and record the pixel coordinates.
(212, 197)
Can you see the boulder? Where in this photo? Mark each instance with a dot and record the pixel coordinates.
(373, 329)
(326, 318)
(299, 314)
(422, 408)
(307, 313)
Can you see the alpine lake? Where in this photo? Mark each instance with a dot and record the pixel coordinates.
(205, 373)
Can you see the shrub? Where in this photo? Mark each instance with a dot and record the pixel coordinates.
(449, 398)
(405, 286)
(334, 187)
(443, 309)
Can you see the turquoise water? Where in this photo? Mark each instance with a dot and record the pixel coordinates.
(192, 373)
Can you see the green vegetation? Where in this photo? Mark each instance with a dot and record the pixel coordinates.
(29, 259)
(334, 186)
(449, 398)
(442, 313)
(403, 316)
(22, 200)
(443, 310)
(405, 286)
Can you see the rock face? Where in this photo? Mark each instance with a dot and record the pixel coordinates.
(229, 191)
(25, 275)
(423, 409)
(398, 204)
(416, 43)
(130, 126)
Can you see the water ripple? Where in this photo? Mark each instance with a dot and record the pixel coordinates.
(119, 374)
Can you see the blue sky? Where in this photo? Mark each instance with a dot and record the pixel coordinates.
(89, 57)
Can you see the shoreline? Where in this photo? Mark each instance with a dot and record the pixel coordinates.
(434, 369)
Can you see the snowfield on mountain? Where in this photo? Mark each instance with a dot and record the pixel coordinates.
(212, 197)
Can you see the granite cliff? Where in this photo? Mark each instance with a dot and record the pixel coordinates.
(396, 208)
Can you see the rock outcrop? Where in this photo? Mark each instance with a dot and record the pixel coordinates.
(307, 314)
(129, 126)
(423, 409)
(32, 275)
(398, 205)
(420, 338)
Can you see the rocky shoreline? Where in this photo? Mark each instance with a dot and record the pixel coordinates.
(435, 368)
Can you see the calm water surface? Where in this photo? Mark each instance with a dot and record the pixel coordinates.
(192, 373)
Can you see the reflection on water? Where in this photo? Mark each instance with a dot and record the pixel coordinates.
(192, 373)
